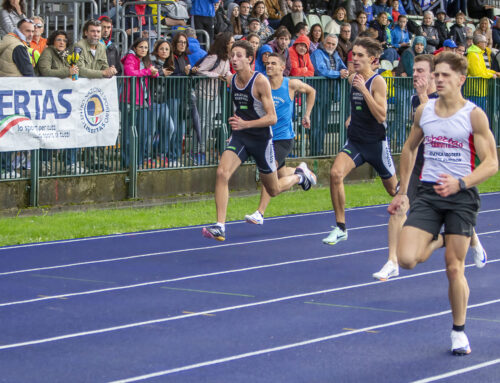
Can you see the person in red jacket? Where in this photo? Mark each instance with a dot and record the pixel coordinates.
(300, 59)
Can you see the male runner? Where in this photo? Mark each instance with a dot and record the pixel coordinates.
(254, 114)
(366, 139)
(452, 130)
(283, 91)
(425, 88)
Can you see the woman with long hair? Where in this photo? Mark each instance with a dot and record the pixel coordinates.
(484, 28)
(315, 36)
(359, 25)
(12, 12)
(339, 17)
(233, 12)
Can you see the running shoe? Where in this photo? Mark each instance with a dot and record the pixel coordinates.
(309, 178)
(336, 235)
(389, 270)
(459, 343)
(255, 218)
(479, 255)
(215, 232)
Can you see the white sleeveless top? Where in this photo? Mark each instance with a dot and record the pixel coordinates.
(448, 143)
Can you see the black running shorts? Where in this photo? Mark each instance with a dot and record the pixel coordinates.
(261, 149)
(282, 148)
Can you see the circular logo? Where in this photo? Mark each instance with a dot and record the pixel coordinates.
(94, 110)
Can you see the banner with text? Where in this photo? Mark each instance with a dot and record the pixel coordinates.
(51, 113)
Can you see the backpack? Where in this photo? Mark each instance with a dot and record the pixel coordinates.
(175, 10)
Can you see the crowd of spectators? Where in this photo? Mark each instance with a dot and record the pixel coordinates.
(281, 26)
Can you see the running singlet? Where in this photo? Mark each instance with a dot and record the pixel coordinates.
(283, 129)
(448, 143)
(248, 108)
(364, 127)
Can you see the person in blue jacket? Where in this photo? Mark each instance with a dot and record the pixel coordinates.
(195, 49)
(203, 12)
(400, 36)
(260, 63)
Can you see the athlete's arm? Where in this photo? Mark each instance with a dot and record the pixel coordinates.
(485, 146)
(301, 87)
(262, 90)
(376, 99)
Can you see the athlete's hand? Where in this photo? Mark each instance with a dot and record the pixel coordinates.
(237, 123)
(420, 85)
(358, 82)
(399, 203)
(446, 185)
(306, 122)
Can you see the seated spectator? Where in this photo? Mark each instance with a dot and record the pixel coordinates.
(344, 44)
(259, 11)
(263, 30)
(280, 45)
(52, 62)
(457, 30)
(399, 35)
(484, 29)
(429, 32)
(275, 12)
(38, 42)
(448, 46)
(262, 56)
(380, 25)
(196, 52)
(112, 53)
(460, 50)
(405, 67)
(395, 9)
(93, 61)
(233, 11)
(368, 9)
(300, 58)
(315, 36)
(381, 6)
(441, 27)
(222, 22)
(479, 58)
(15, 61)
(359, 25)
(480, 8)
(254, 28)
(244, 15)
(254, 40)
(293, 18)
(12, 12)
(301, 29)
(339, 17)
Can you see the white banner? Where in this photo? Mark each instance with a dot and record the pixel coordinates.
(50, 113)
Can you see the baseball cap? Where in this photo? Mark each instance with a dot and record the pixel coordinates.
(252, 19)
(440, 11)
(449, 44)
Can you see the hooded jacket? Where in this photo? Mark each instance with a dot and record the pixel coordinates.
(197, 52)
(301, 65)
(259, 64)
(132, 67)
(408, 57)
(477, 66)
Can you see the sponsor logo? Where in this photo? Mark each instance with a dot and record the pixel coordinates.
(10, 122)
(442, 142)
(94, 111)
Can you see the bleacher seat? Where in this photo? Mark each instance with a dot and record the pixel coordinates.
(313, 19)
(325, 19)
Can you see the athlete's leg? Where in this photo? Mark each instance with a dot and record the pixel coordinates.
(395, 226)
(265, 198)
(275, 186)
(342, 166)
(415, 246)
(228, 164)
(390, 185)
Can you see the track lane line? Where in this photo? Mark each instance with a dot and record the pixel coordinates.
(458, 372)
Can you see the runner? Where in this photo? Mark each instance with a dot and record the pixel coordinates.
(251, 135)
(453, 130)
(366, 138)
(283, 92)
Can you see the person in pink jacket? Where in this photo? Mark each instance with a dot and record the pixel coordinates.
(137, 63)
(300, 59)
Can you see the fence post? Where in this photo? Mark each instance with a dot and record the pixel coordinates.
(35, 178)
(133, 144)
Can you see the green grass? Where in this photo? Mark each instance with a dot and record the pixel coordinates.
(68, 225)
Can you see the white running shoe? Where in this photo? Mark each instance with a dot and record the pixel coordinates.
(336, 235)
(255, 218)
(479, 255)
(309, 177)
(459, 343)
(387, 271)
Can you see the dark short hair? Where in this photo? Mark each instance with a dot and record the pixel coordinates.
(282, 32)
(401, 16)
(91, 22)
(427, 58)
(456, 62)
(279, 57)
(249, 52)
(22, 21)
(52, 38)
(372, 46)
(105, 19)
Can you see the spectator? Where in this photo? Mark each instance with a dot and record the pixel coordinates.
(280, 45)
(300, 58)
(381, 6)
(12, 12)
(275, 12)
(368, 9)
(315, 36)
(496, 34)
(448, 46)
(479, 9)
(137, 64)
(344, 43)
(441, 27)
(196, 52)
(262, 56)
(38, 42)
(180, 45)
(400, 36)
(327, 63)
(15, 61)
(254, 40)
(358, 25)
(395, 10)
(171, 16)
(233, 10)
(112, 12)
(429, 32)
(203, 12)
(339, 17)
(222, 22)
(259, 11)
(296, 16)
(138, 20)
(460, 50)
(301, 29)
(163, 58)
(457, 30)
(484, 29)
(244, 15)
(112, 53)
(52, 62)
(93, 61)
(257, 27)
(405, 67)
(379, 24)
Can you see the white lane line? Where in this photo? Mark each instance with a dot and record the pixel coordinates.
(293, 345)
(213, 311)
(180, 251)
(458, 372)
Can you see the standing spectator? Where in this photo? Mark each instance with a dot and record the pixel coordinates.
(15, 61)
(359, 25)
(480, 8)
(262, 56)
(315, 36)
(52, 62)
(275, 12)
(296, 16)
(244, 15)
(222, 22)
(344, 44)
(441, 27)
(233, 11)
(12, 12)
(327, 63)
(457, 30)
(300, 58)
(429, 32)
(484, 29)
(196, 52)
(112, 53)
(280, 45)
(381, 6)
(38, 42)
(203, 12)
(400, 36)
(339, 17)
